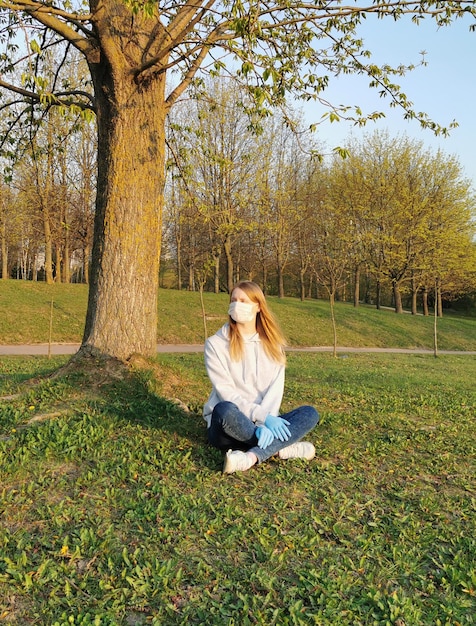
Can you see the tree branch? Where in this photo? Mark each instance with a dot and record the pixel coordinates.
(50, 17)
(183, 23)
(178, 91)
(56, 99)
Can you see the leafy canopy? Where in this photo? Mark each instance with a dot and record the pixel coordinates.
(274, 47)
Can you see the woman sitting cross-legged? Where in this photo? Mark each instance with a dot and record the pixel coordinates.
(245, 362)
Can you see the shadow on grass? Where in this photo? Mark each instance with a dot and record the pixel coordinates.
(133, 400)
(134, 394)
(17, 372)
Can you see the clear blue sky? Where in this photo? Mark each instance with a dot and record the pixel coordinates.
(445, 88)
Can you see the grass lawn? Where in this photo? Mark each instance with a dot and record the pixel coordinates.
(26, 308)
(114, 511)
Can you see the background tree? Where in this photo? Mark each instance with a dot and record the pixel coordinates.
(7, 227)
(333, 232)
(215, 156)
(398, 196)
(82, 187)
(282, 203)
(350, 187)
(447, 260)
(130, 47)
(225, 162)
(31, 225)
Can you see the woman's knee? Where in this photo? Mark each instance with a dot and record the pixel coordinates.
(222, 409)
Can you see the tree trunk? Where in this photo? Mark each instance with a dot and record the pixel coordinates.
(4, 253)
(414, 297)
(58, 263)
(424, 296)
(178, 235)
(67, 260)
(397, 297)
(191, 276)
(178, 243)
(333, 320)
(229, 263)
(302, 283)
(357, 286)
(265, 277)
(280, 271)
(237, 274)
(216, 273)
(45, 200)
(439, 301)
(309, 291)
(378, 295)
(48, 242)
(34, 273)
(122, 308)
(86, 253)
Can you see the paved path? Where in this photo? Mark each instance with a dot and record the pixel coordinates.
(72, 348)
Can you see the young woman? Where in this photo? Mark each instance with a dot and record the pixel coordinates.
(245, 362)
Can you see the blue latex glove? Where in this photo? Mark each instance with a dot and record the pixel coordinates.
(264, 435)
(278, 426)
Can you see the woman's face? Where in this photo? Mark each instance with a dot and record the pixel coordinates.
(238, 295)
(243, 309)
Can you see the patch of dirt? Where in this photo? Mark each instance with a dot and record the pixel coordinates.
(15, 610)
(93, 369)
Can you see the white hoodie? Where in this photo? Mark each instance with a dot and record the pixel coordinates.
(255, 383)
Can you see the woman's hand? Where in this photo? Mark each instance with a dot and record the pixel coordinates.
(278, 427)
(264, 435)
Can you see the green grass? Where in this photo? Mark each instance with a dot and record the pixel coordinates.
(25, 310)
(114, 511)
(25, 318)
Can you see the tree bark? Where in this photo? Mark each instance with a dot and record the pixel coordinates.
(229, 263)
(216, 273)
(122, 308)
(280, 280)
(397, 297)
(178, 244)
(357, 286)
(67, 260)
(378, 293)
(86, 253)
(302, 283)
(58, 265)
(4, 253)
(45, 200)
(333, 320)
(265, 277)
(414, 297)
(424, 297)
(439, 300)
(45, 213)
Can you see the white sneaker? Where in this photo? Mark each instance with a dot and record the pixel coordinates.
(298, 450)
(237, 461)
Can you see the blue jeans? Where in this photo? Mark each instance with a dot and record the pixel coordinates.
(230, 428)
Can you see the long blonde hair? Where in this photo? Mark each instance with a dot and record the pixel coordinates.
(267, 327)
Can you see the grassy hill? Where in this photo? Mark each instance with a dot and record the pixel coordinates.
(25, 309)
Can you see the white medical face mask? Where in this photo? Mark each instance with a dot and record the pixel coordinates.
(241, 312)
